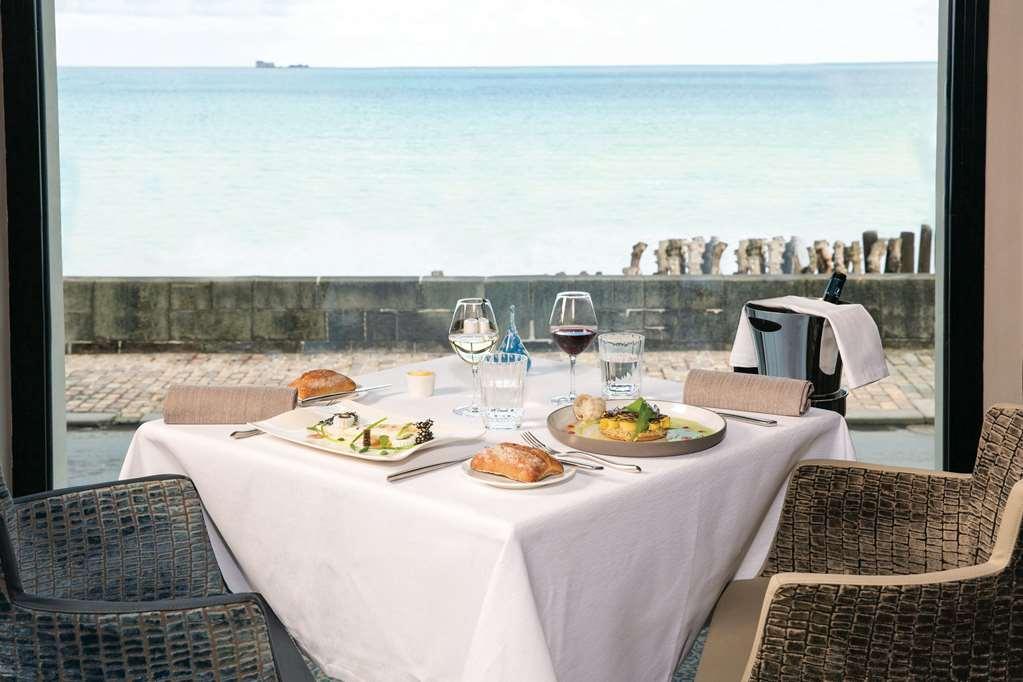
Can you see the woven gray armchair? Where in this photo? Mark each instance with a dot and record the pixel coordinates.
(119, 581)
(878, 573)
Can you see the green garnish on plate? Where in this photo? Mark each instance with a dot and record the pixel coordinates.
(644, 413)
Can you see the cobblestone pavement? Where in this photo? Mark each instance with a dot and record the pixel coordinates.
(127, 388)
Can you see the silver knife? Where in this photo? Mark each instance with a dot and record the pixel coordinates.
(309, 402)
(334, 396)
(743, 418)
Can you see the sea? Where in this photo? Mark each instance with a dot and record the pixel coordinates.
(479, 171)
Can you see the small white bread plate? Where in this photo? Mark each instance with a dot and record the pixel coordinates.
(294, 426)
(502, 482)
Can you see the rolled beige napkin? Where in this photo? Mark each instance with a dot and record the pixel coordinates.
(225, 404)
(747, 392)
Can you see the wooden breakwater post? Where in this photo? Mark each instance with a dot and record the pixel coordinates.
(755, 257)
(854, 263)
(774, 256)
(893, 263)
(924, 257)
(839, 257)
(869, 237)
(637, 254)
(694, 255)
(669, 257)
(907, 252)
(875, 256)
(742, 257)
(824, 256)
(712, 256)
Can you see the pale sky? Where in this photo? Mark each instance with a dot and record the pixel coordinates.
(359, 33)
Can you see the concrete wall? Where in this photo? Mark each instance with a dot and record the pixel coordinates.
(1003, 230)
(310, 314)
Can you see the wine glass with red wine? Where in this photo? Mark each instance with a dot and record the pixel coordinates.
(573, 327)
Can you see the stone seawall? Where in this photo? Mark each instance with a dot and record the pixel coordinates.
(327, 313)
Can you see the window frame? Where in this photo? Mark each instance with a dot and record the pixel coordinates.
(36, 297)
(36, 306)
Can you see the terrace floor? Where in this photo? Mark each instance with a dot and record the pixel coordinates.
(124, 389)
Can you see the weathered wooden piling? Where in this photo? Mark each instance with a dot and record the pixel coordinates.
(755, 257)
(719, 248)
(824, 256)
(791, 259)
(869, 237)
(907, 252)
(875, 258)
(924, 257)
(839, 256)
(854, 261)
(742, 257)
(675, 263)
(637, 253)
(893, 263)
(775, 255)
(694, 256)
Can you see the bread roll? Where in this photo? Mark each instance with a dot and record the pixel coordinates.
(317, 382)
(517, 462)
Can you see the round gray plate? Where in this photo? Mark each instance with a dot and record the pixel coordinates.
(559, 420)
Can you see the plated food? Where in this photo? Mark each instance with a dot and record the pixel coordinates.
(635, 428)
(346, 429)
(320, 382)
(516, 466)
(517, 462)
(362, 431)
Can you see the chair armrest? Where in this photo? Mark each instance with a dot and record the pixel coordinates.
(134, 540)
(884, 627)
(849, 517)
(232, 636)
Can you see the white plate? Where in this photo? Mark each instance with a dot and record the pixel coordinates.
(502, 482)
(293, 426)
(559, 421)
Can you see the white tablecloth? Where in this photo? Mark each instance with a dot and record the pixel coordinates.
(608, 576)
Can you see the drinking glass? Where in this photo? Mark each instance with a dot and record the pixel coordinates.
(573, 325)
(621, 364)
(472, 334)
(503, 377)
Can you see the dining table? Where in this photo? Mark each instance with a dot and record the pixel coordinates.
(609, 575)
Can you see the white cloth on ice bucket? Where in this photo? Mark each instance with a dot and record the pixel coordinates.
(849, 329)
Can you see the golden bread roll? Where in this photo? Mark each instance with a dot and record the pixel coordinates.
(588, 407)
(317, 382)
(517, 462)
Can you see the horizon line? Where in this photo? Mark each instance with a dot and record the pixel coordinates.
(285, 66)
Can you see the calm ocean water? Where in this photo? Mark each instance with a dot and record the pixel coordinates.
(479, 171)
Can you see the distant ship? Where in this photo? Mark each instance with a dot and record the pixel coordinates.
(260, 64)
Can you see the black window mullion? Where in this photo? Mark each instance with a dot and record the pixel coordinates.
(962, 399)
(28, 248)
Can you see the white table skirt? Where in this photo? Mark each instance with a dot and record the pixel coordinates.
(608, 576)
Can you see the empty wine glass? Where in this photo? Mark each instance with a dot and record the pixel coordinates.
(573, 325)
(472, 334)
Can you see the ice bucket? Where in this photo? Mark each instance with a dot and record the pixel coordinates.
(792, 345)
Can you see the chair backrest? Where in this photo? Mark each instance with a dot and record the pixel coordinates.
(6, 549)
(999, 466)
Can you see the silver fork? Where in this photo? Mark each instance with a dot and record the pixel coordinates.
(537, 443)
